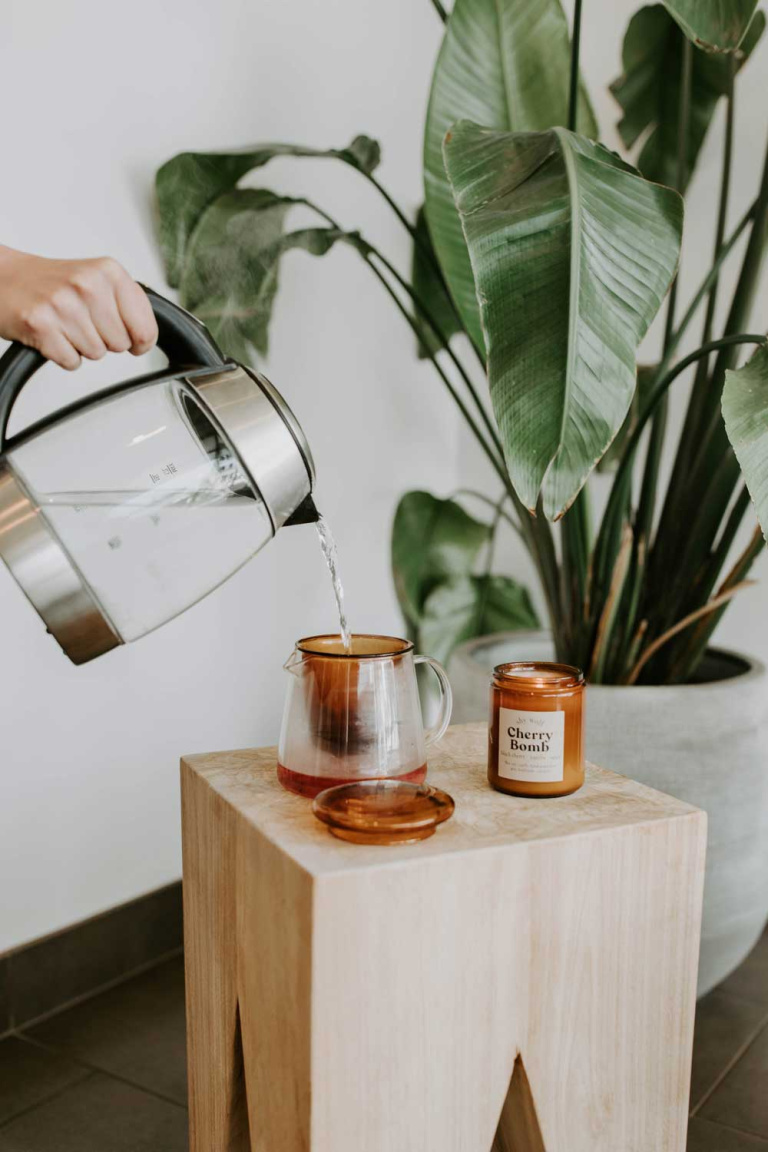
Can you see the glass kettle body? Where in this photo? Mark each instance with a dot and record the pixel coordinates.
(122, 510)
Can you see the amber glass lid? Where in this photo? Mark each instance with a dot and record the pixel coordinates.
(382, 811)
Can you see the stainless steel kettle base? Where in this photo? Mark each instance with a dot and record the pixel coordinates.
(48, 578)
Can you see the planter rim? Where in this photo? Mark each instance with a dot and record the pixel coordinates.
(755, 669)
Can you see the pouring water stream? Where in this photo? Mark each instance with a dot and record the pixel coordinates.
(328, 545)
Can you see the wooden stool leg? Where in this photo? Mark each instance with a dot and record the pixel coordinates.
(218, 1120)
(274, 944)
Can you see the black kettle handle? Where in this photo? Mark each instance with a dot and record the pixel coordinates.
(182, 337)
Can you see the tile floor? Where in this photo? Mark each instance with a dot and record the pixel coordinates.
(108, 1075)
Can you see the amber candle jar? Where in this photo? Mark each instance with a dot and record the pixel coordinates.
(536, 729)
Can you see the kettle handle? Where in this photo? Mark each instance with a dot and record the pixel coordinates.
(181, 336)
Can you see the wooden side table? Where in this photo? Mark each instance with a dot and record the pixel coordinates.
(524, 981)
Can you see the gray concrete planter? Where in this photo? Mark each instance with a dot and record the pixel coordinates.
(706, 743)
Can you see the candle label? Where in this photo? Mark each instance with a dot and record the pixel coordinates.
(531, 745)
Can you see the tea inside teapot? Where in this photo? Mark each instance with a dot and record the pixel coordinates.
(351, 714)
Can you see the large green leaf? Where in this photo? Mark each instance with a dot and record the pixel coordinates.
(572, 252)
(432, 541)
(188, 183)
(230, 272)
(430, 289)
(649, 90)
(716, 25)
(745, 411)
(505, 64)
(470, 606)
(231, 262)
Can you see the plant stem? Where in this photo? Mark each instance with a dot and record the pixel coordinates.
(666, 533)
(495, 461)
(670, 377)
(610, 608)
(542, 550)
(483, 597)
(575, 542)
(706, 284)
(537, 537)
(368, 252)
(493, 504)
(728, 535)
(689, 436)
(492, 539)
(713, 471)
(575, 525)
(429, 317)
(698, 642)
(409, 227)
(650, 481)
(722, 213)
(705, 580)
(739, 313)
(426, 252)
(681, 175)
(624, 470)
(440, 11)
(573, 93)
(659, 426)
(536, 533)
(719, 601)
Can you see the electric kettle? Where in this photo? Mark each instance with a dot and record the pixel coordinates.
(123, 509)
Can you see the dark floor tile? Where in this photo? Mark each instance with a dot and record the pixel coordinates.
(741, 1101)
(723, 1024)
(704, 1136)
(29, 1074)
(99, 1115)
(750, 980)
(52, 972)
(5, 999)
(135, 1031)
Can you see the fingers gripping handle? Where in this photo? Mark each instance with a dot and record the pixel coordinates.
(184, 340)
(182, 337)
(446, 699)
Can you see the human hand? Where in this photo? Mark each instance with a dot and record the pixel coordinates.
(67, 309)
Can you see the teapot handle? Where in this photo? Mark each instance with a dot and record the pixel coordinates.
(294, 660)
(184, 340)
(446, 699)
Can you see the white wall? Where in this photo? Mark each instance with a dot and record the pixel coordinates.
(95, 97)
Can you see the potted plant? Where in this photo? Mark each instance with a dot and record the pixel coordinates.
(548, 256)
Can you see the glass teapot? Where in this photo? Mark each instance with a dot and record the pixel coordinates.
(354, 714)
(121, 510)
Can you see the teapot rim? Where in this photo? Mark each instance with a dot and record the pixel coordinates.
(396, 646)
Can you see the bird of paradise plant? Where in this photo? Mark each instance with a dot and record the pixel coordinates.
(551, 255)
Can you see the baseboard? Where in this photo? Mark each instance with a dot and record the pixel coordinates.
(44, 976)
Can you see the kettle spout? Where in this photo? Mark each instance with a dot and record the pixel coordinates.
(306, 513)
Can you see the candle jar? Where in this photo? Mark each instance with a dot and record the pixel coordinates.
(536, 729)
